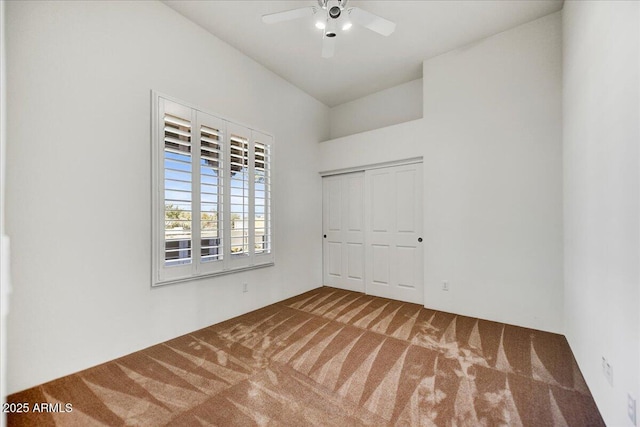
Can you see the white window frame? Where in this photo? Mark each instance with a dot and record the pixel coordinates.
(163, 274)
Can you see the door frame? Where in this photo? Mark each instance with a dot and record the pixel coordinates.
(370, 166)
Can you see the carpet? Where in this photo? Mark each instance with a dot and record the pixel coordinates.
(329, 357)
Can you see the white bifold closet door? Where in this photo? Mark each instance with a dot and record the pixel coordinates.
(393, 233)
(343, 227)
(372, 225)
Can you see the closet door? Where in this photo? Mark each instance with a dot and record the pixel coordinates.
(393, 222)
(343, 229)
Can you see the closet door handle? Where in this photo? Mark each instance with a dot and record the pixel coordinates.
(325, 236)
(420, 239)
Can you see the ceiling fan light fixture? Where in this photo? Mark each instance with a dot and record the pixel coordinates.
(337, 16)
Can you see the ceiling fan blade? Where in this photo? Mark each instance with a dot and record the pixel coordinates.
(289, 15)
(371, 21)
(328, 46)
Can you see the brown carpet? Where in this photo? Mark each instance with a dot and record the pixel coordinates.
(331, 358)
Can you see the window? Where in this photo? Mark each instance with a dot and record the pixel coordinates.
(212, 194)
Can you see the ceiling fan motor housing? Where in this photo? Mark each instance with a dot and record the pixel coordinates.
(334, 10)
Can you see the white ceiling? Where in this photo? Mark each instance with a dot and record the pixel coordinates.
(364, 61)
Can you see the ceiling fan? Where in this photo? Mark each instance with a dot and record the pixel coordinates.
(335, 14)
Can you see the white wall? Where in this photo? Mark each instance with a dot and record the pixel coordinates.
(601, 186)
(388, 107)
(491, 143)
(78, 180)
(493, 208)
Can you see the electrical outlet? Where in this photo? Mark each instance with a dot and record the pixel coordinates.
(445, 285)
(245, 287)
(631, 409)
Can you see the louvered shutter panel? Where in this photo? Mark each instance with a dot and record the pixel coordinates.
(262, 154)
(212, 204)
(238, 138)
(175, 128)
(212, 181)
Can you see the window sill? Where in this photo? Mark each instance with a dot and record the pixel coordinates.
(208, 275)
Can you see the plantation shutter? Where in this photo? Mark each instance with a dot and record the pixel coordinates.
(177, 190)
(262, 155)
(212, 197)
(239, 205)
(211, 138)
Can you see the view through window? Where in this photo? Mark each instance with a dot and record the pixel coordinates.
(212, 194)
